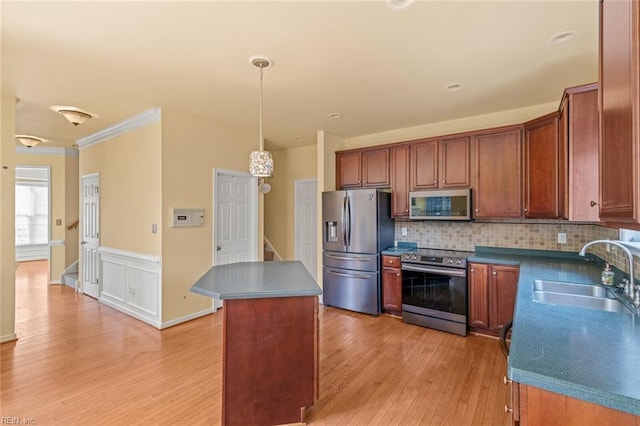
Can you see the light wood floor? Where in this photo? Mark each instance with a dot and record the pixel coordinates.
(80, 362)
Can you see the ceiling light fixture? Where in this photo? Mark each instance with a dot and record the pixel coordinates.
(335, 115)
(74, 115)
(29, 141)
(400, 4)
(261, 162)
(562, 36)
(453, 87)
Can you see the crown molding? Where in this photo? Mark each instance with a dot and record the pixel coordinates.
(46, 150)
(147, 117)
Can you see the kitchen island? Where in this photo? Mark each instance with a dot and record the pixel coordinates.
(270, 340)
(576, 354)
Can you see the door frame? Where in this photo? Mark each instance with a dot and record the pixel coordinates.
(296, 196)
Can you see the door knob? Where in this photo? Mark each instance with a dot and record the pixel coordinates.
(218, 248)
(83, 243)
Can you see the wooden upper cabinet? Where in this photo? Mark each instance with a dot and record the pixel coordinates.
(399, 159)
(455, 168)
(375, 168)
(541, 167)
(498, 178)
(441, 163)
(578, 140)
(368, 168)
(348, 169)
(620, 111)
(424, 165)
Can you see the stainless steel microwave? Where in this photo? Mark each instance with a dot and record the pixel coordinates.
(446, 204)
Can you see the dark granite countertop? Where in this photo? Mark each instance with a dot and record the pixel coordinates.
(399, 249)
(583, 353)
(254, 280)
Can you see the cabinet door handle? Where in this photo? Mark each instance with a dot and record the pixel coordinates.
(444, 181)
(472, 270)
(435, 181)
(495, 273)
(398, 274)
(505, 380)
(477, 210)
(507, 409)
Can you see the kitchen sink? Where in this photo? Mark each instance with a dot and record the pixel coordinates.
(577, 295)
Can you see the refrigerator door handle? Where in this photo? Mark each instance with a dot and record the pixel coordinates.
(340, 274)
(344, 220)
(348, 220)
(359, 259)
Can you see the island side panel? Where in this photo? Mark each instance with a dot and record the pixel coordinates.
(269, 360)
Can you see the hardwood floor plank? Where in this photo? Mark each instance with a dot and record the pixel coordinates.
(79, 362)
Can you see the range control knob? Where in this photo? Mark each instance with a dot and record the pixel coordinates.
(458, 261)
(450, 261)
(415, 257)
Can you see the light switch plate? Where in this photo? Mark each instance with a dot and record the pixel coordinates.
(562, 238)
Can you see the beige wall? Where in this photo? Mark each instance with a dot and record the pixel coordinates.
(191, 148)
(502, 118)
(130, 188)
(58, 183)
(71, 210)
(7, 219)
(279, 204)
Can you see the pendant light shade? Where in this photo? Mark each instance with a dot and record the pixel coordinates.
(74, 115)
(261, 162)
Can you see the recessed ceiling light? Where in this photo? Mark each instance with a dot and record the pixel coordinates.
(562, 36)
(29, 141)
(74, 115)
(400, 4)
(453, 87)
(335, 115)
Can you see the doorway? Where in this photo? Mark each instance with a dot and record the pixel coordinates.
(235, 211)
(306, 228)
(32, 213)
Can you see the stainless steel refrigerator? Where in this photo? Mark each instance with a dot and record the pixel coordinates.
(356, 226)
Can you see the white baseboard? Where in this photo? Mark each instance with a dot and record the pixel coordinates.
(186, 318)
(8, 337)
(55, 282)
(125, 310)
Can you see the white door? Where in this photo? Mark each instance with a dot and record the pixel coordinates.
(90, 226)
(306, 224)
(235, 205)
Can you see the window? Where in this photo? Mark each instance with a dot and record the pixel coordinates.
(32, 212)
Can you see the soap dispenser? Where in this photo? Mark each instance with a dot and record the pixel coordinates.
(607, 275)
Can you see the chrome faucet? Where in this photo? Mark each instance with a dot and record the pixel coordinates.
(630, 287)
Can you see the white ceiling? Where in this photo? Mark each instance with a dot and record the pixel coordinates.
(379, 68)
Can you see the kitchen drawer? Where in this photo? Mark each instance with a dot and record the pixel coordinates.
(391, 261)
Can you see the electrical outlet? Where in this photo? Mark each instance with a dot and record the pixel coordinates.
(562, 238)
(404, 231)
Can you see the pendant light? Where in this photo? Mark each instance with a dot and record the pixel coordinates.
(261, 162)
(74, 115)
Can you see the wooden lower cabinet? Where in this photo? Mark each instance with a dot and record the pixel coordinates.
(492, 296)
(391, 285)
(532, 406)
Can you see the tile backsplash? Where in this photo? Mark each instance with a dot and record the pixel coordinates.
(539, 236)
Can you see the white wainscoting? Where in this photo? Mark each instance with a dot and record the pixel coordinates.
(132, 283)
(29, 252)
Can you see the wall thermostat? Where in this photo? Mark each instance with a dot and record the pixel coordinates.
(187, 217)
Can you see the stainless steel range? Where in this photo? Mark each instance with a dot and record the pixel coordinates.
(434, 289)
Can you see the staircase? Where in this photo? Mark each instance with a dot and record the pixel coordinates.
(269, 253)
(70, 276)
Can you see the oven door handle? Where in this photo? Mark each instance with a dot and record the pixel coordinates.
(440, 271)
